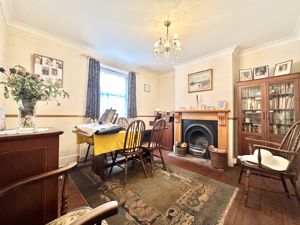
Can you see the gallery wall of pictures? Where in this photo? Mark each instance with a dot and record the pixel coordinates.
(260, 72)
(50, 69)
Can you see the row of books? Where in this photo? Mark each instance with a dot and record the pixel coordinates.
(284, 117)
(282, 102)
(252, 118)
(251, 92)
(285, 88)
(280, 129)
(250, 128)
(251, 104)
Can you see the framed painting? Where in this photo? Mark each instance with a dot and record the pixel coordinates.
(50, 69)
(200, 81)
(261, 72)
(245, 74)
(283, 68)
(147, 88)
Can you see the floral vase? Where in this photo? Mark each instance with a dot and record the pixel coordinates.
(26, 115)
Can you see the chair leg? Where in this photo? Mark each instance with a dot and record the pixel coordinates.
(151, 162)
(113, 161)
(126, 170)
(162, 159)
(143, 165)
(241, 173)
(286, 190)
(132, 160)
(293, 181)
(246, 188)
(87, 153)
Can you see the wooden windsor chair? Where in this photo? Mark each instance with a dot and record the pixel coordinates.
(155, 143)
(283, 166)
(132, 147)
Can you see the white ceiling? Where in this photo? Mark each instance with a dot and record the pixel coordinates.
(125, 31)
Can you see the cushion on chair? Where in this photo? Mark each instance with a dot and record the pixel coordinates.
(72, 216)
(267, 159)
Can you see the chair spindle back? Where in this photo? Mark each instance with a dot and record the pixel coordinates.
(157, 133)
(122, 121)
(134, 136)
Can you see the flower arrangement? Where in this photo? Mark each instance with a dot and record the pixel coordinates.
(27, 89)
(20, 84)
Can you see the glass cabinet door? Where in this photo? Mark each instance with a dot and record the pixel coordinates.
(281, 107)
(251, 110)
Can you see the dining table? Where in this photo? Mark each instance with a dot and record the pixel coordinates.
(103, 144)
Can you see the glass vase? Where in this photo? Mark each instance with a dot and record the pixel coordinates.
(26, 113)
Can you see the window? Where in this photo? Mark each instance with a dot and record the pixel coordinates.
(113, 91)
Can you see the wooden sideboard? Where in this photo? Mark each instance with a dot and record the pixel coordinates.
(168, 137)
(25, 155)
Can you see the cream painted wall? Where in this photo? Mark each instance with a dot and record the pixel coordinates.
(2, 37)
(223, 89)
(146, 101)
(222, 83)
(166, 92)
(271, 56)
(21, 45)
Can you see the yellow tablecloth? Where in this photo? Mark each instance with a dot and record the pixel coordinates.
(104, 143)
(109, 142)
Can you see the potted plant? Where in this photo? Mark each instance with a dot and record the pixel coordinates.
(27, 89)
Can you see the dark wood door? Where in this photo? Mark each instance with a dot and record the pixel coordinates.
(22, 156)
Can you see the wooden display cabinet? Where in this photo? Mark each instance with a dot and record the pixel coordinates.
(266, 108)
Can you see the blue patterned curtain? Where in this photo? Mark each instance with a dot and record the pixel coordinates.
(131, 106)
(93, 90)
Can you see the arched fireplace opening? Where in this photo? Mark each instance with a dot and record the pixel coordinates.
(199, 135)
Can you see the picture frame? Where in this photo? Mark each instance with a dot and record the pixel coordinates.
(283, 68)
(246, 74)
(50, 69)
(222, 104)
(260, 72)
(147, 88)
(200, 81)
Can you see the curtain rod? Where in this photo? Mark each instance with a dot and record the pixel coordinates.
(111, 68)
(88, 56)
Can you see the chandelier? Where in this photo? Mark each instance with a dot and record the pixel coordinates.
(166, 47)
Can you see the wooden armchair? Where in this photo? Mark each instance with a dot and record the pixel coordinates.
(285, 154)
(83, 215)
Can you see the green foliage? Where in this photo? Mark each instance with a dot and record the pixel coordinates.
(19, 84)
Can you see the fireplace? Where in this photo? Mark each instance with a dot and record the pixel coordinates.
(213, 130)
(199, 134)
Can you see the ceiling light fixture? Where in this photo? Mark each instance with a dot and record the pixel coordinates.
(166, 47)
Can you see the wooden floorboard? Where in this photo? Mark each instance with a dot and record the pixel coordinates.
(263, 208)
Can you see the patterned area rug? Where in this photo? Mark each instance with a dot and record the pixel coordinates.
(174, 197)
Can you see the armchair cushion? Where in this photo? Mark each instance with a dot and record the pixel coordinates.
(72, 216)
(268, 160)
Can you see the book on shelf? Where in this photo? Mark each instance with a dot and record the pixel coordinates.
(282, 102)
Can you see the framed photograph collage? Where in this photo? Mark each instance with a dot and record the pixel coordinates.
(50, 69)
(263, 71)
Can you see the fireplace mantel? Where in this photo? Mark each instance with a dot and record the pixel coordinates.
(219, 115)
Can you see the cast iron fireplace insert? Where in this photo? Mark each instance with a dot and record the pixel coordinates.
(199, 134)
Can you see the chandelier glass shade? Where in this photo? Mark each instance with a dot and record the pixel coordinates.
(166, 47)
